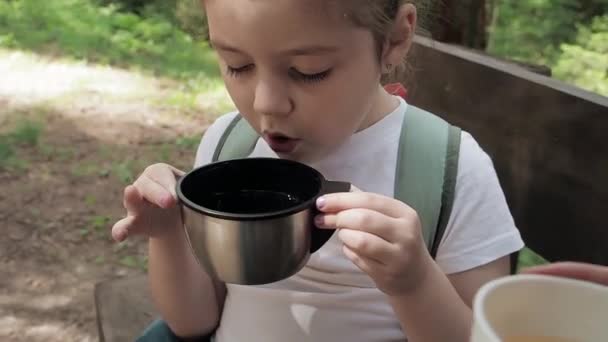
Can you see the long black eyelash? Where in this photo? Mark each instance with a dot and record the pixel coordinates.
(237, 71)
(312, 78)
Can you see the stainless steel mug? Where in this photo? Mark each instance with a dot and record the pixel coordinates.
(250, 221)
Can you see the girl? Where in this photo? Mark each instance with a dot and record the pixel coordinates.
(307, 76)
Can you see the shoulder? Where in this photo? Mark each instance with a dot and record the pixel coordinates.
(211, 137)
(481, 228)
(473, 161)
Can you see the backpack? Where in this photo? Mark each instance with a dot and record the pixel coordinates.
(427, 166)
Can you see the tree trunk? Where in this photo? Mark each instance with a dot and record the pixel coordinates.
(462, 22)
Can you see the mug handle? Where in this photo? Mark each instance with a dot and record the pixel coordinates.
(320, 236)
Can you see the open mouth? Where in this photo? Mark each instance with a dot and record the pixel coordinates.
(281, 143)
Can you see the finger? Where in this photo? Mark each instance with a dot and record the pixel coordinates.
(171, 180)
(581, 271)
(176, 172)
(155, 192)
(132, 200)
(365, 220)
(164, 175)
(122, 228)
(352, 200)
(366, 265)
(368, 245)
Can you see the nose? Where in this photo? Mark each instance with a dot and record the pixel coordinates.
(272, 98)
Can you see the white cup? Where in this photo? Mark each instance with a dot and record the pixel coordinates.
(539, 307)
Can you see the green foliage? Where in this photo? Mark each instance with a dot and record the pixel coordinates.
(532, 30)
(6, 150)
(191, 18)
(135, 6)
(585, 62)
(187, 14)
(124, 171)
(190, 143)
(26, 133)
(186, 97)
(90, 200)
(137, 262)
(83, 169)
(528, 258)
(99, 222)
(83, 29)
(570, 36)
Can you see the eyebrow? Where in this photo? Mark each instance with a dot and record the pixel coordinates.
(219, 45)
(310, 50)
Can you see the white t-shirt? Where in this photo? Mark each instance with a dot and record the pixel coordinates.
(330, 299)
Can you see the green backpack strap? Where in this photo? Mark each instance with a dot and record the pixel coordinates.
(427, 166)
(237, 141)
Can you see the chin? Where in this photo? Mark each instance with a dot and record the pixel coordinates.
(296, 155)
(305, 157)
(293, 156)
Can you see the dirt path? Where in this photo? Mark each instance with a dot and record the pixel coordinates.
(59, 198)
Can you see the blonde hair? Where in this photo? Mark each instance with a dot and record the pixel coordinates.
(378, 17)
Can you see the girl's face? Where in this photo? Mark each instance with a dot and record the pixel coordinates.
(300, 72)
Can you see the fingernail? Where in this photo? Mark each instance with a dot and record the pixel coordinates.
(321, 202)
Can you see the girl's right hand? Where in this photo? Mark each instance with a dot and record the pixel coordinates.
(151, 204)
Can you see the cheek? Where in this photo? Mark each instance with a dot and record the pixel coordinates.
(340, 107)
(240, 92)
(334, 127)
(354, 104)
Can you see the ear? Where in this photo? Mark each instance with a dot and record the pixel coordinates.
(401, 36)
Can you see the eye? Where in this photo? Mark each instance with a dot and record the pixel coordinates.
(237, 71)
(312, 78)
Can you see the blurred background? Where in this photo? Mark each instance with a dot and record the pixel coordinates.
(93, 91)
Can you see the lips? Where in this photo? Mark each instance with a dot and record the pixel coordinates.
(281, 143)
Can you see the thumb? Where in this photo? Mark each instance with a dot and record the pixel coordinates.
(123, 228)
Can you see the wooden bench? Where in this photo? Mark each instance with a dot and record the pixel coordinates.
(547, 140)
(123, 308)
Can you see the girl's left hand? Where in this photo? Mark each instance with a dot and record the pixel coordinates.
(381, 235)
